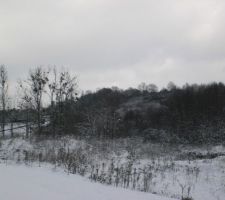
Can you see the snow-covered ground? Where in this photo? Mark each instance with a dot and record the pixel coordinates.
(35, 183)
(165, 170)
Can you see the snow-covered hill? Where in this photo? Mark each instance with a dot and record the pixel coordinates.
(23, 183)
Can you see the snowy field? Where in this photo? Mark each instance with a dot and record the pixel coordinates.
(170, 172)
(23, 183)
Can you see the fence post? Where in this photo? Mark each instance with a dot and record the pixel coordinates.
(12, 133)
(27, 130)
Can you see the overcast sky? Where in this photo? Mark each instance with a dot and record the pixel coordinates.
(116, 42)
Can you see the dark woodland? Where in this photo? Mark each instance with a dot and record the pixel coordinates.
(50, 105)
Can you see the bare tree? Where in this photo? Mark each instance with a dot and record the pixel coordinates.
(171, 86)
(143, 87)
(152, 88)
(52, 87)
(62, 90)
(25, 104)
(66, 94)
(38, 80)
(35, 88)
(67, 87)
(3, 95)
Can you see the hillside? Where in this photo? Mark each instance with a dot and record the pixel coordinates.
(191, 114)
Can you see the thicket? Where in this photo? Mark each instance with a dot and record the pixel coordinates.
(192, 114)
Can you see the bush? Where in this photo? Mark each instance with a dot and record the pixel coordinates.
(187, 198)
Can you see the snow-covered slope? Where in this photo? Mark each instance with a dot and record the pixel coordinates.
(23, 183)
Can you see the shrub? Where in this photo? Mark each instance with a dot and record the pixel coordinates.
(187, 198)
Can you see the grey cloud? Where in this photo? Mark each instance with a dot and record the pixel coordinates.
(116, 42)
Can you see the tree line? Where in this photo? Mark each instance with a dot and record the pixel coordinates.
(43, 100)
(49, 101)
